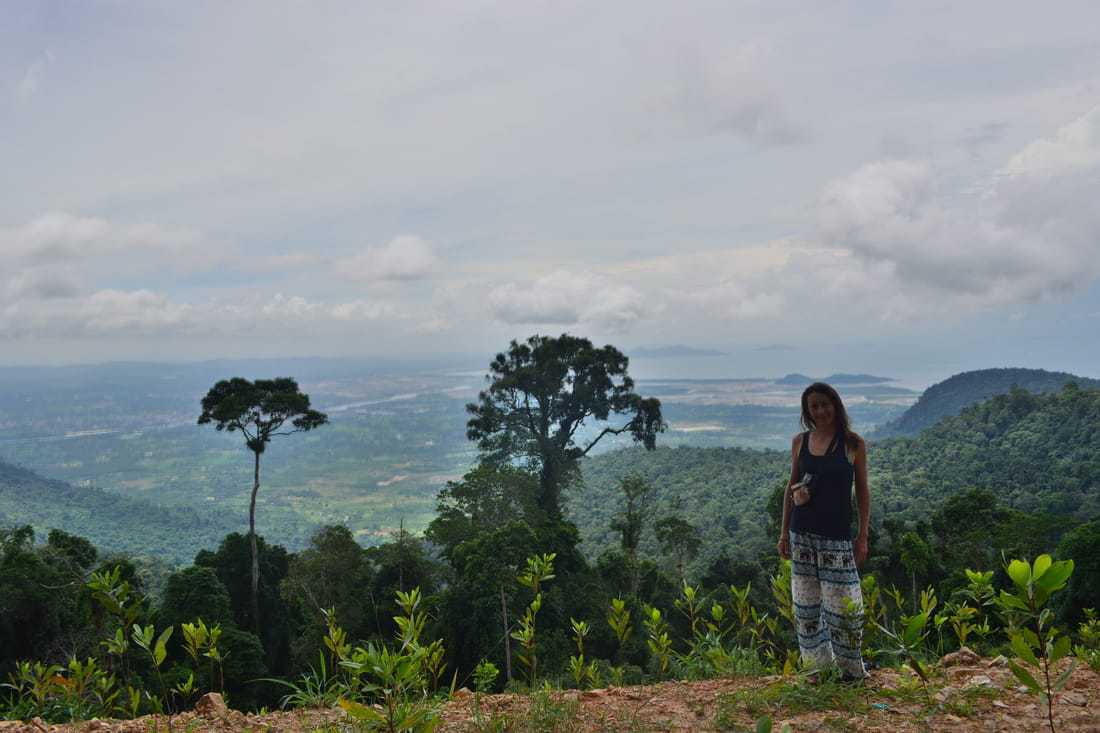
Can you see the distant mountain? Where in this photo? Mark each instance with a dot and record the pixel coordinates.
(794, 380)
(677, 350)
(111, 521)
(842, 378)
(951, 396)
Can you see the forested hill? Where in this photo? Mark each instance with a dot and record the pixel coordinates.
(722, 491)
(951, 396)
(112, 522)
(1038, 453)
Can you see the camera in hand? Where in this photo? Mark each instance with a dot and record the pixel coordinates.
(801, 491)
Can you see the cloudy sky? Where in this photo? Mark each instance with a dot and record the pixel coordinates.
(876, 181)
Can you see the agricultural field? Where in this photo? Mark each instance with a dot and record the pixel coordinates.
(396, 435)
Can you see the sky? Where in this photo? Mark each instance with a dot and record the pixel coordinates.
(827, 185)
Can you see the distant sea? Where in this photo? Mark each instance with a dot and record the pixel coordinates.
(773, 364)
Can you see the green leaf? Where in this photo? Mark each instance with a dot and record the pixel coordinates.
(142, 637)
(764, 725)
(1056, 577)
(1023, 651)
(1064, 677)
(161, 650)
(1007, 599)
(1041, 565)
(1025, 677)
(914, 628)
(360, 711)
(1030, 637)
(1020, 572)
(1060, 649)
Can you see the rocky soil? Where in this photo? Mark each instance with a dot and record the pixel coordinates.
(967, 695)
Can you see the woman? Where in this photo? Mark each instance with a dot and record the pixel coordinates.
(817, 533)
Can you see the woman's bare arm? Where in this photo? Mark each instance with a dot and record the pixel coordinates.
(784, 539)
(863, 501)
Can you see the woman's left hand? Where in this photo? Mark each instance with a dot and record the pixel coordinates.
(859, 549)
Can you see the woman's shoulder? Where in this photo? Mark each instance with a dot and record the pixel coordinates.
(796, 441)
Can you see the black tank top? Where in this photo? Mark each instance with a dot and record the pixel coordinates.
(828, 513)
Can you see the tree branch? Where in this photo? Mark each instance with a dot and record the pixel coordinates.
(605, 431)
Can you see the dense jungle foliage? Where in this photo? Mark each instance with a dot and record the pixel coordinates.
(951, 396)
(126, 524)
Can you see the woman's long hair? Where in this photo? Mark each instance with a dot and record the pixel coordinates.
(843, 423)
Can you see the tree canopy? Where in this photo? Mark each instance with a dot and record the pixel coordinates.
(259, 409)
(542, 392)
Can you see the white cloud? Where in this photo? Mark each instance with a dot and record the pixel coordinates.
(289, 262)
(566, 298)
(295, 309)
(730, 92)
(144, 313)
(361, 310)
(103, 313)
(1033, 233)
(402, 258)
(434, 325)
(61, 237)
(1074, 147)
(38, 284)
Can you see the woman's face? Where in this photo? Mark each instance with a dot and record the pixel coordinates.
(822, 411)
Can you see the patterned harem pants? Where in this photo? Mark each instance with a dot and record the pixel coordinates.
(823, 580)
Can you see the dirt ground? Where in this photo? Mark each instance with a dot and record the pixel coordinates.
(978, 695)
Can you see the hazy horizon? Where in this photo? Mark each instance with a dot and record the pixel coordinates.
(755, 363)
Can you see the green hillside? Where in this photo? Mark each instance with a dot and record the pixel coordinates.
(723, 491)
(951, 396)
(112, 522)
(1036, 452)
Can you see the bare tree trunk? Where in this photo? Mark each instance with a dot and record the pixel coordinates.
(255, 552)
(633, 559)
(401, 556)
(507, 638)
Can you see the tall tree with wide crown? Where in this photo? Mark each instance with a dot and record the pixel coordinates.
(541, 392)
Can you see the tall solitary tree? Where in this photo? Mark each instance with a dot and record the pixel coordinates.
(630, 522)
(260, 410)
(678, 538)
(540, 395)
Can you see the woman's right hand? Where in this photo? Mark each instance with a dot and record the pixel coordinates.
(784, 547)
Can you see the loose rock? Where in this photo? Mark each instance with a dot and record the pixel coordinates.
(963, 657)
(211, 705)
(1075, 698)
